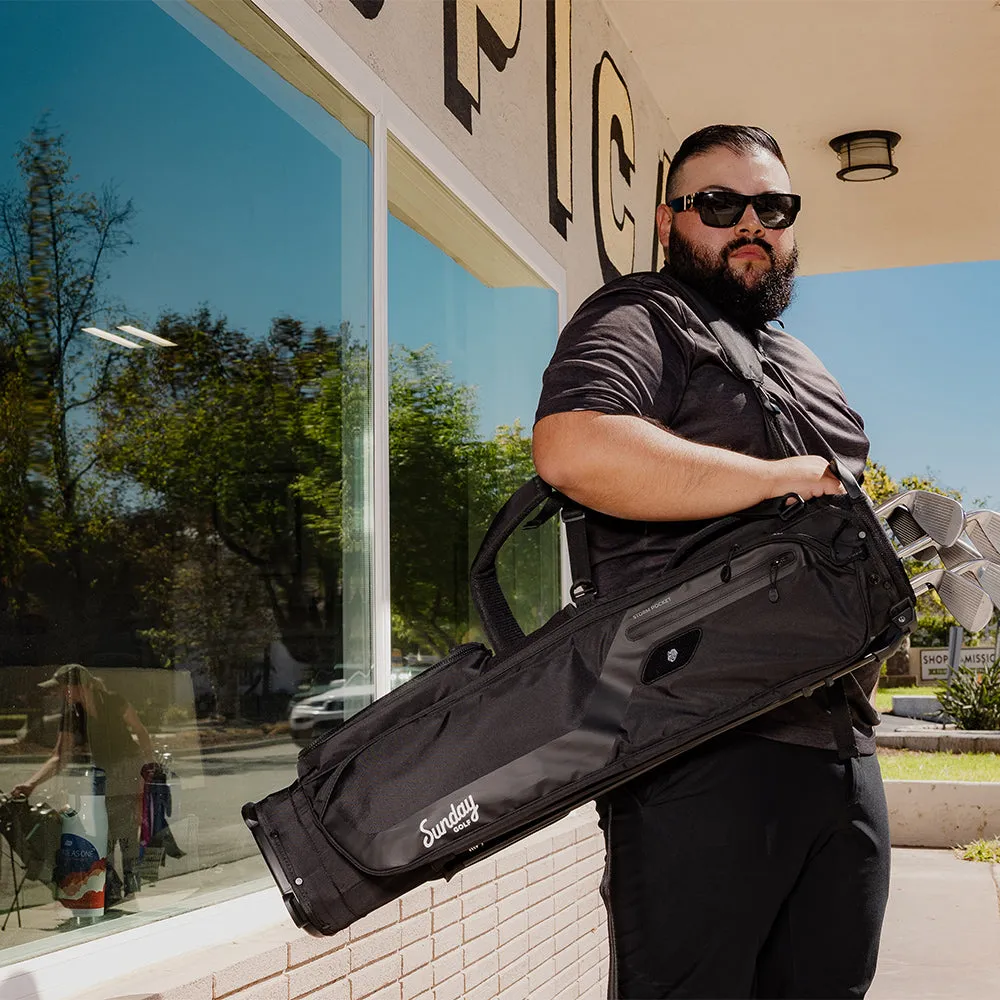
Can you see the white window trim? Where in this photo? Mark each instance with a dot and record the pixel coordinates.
(69, 972)
(318, 39)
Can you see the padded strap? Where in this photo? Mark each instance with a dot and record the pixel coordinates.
(841, 720)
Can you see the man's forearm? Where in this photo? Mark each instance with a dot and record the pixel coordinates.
(630, 468)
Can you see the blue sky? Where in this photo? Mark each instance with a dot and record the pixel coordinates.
(917, 351)
(253, 200)
(249, 198)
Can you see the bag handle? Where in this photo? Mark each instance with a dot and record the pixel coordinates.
(498, 620)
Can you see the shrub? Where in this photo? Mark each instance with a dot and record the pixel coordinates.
(981, 850)
(972, 698)
(175, 715)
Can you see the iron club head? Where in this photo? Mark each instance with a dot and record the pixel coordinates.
(983, 527)
(959, 554)
(963, 597)
(908, 533)
(939, 516)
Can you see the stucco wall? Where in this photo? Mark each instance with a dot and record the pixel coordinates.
(507, 142)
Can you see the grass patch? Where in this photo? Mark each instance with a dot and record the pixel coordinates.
(917, 765)
(981, 850)
(883, 696)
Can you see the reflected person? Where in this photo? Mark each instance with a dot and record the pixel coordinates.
(101, 727)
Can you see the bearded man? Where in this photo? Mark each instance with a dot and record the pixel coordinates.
(756, 865)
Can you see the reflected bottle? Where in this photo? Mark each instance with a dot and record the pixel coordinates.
(82, 864)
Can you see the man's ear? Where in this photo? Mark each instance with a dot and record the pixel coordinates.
(664, 220)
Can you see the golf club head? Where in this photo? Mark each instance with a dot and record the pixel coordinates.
(965, 600)
(959, 554)
(923, 550)
(983, 527)
(908, 532)
(988, 576)
(939, 516)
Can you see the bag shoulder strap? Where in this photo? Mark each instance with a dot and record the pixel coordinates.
(744, 362)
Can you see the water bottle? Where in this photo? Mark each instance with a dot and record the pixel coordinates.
(81, 863)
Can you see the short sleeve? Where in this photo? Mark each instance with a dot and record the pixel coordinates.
(613, 358)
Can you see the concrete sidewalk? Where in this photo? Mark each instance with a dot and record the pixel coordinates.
(941, 939)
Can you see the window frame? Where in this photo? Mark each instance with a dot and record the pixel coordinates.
(65, 973)
(319, 40)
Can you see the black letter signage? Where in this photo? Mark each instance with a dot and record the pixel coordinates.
(614, 130)
(369, 8)
(470, 25)
(560, 113)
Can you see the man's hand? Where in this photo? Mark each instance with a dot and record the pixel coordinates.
(22, 791)
(807, 475)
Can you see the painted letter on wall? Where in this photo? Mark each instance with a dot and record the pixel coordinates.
(614, 132)
(470, 25)
(369, 8)
(560, 113)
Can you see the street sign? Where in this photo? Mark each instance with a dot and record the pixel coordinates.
(934, 662)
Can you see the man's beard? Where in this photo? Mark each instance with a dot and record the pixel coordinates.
(750, 306)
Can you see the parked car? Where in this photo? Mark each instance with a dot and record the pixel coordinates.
(327, 707)
(327, 710)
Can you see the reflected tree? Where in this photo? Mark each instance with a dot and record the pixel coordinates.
(224, 435)
(55, 246)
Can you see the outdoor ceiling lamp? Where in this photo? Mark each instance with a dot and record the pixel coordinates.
(865, 156)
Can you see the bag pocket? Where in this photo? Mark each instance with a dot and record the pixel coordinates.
(463, 665)
(795, 612)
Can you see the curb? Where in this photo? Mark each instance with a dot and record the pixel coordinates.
(942, 813)
(949, 741)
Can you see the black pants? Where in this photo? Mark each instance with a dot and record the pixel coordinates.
(747, 868)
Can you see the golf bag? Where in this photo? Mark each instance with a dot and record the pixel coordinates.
(486, 746)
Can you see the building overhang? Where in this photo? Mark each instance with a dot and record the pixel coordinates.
(808, 72)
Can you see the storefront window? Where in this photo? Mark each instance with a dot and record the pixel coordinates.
(185, 317)
(471, 328)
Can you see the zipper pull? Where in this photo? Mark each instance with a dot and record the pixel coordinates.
(772, 593)
(727, 570)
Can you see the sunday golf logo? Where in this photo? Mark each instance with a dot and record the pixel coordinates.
(458, 818)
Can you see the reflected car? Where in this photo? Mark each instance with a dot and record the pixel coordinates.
(327, 711)
(326, 708)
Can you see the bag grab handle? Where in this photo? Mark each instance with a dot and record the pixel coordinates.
(499, 623)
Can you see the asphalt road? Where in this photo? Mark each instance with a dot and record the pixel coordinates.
(207, 795)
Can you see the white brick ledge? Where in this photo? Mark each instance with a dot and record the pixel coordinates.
(525, 923)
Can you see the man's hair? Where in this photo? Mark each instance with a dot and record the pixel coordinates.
(738, 138)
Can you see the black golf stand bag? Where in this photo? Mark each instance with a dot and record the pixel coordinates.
(488, 745)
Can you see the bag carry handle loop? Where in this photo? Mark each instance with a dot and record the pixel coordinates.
(498, 620)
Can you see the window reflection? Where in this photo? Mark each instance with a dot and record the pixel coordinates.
(471, 328)
(185, 300)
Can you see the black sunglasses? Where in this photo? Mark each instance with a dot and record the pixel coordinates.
(722, 209)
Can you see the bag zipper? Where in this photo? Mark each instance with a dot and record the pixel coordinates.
(513, 661)
(735, 586)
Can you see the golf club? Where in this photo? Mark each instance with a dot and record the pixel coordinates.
(983, 528)
(985, 573)
(907, 531)
(939, 516)
(959, 554)
(965, 600)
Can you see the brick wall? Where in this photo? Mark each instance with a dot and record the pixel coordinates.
(527, 922)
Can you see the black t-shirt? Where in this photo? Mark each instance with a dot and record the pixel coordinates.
(637, 347)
